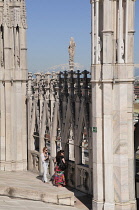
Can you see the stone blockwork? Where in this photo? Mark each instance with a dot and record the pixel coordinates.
(112, 104)
(13, 76)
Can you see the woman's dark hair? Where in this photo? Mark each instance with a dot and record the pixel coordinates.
(59, 153)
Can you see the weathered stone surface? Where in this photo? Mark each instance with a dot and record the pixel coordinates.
(112, 90)
(13, 76)
(27, 186)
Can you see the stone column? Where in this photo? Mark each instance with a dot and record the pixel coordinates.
(126, 29)
(96, 30)
(120, 41)
(107, 91)
(53, 138)
(13, 87)
(112, 108)
(30, 120)
(2, 126)
(92, 30)
(53, 126)
(98, 193)
(8, 99)
(130, 89)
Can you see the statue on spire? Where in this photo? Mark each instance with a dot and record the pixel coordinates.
(71, 50)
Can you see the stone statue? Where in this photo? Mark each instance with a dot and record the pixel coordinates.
(99, 50)
(71, 49)
(122, 51)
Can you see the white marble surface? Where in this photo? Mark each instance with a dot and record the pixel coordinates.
(13, 142)
(113, 106)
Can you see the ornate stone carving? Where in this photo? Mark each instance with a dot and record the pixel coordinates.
(6, 13)
(23, 14)
(16, 17)
(72, 114)
(83, 180)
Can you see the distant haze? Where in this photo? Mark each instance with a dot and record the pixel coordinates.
(136, 72)
(51, 23)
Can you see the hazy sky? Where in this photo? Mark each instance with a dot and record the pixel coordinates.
(51, 23)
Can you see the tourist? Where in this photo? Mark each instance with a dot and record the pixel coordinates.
(59, 177)
(45, 162)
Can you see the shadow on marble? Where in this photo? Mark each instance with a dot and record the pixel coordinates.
(82, 199)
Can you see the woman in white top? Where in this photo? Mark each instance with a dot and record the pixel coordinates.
(45, 162)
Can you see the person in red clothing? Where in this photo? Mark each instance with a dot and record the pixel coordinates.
(59, 177)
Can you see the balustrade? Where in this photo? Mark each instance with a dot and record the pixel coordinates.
(59, 113)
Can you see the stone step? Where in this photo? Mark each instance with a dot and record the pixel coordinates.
(27, 185)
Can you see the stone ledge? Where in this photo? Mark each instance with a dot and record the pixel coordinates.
(27, 185)
(38, 195)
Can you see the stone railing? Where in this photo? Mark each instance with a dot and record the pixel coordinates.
(79, 177)
(33, 161)
(83, 179)
(59, 108)
(70, 174)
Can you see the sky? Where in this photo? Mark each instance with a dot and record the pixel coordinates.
(51, 24)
